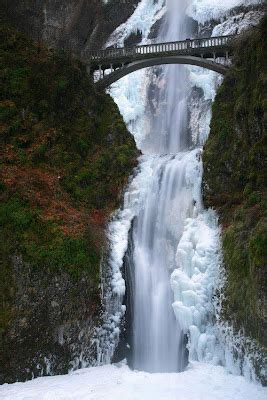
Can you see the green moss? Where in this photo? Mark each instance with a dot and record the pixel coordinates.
(257, 244)
(42, 244)
(49, 92)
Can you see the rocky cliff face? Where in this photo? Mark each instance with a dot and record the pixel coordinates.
(234, 183)
(65, 157)
(75, 25)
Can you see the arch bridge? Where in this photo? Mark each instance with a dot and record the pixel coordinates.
(203, 52)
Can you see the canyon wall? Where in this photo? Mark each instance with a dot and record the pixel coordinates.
(73, 25)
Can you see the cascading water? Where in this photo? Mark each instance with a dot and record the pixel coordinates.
(173, 255)
(157, 337)
(168, 119)
(168, 188)
(158, 341)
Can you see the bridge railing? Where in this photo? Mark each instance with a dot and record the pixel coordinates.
(181, 46)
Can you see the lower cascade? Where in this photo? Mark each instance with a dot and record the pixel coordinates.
(157, 336)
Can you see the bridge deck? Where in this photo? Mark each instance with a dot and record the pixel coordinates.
(204, 47)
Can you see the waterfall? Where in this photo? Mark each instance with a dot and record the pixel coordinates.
(157, 337)
(173, 257)
(161, 201)
(168, 118)
(158, 343)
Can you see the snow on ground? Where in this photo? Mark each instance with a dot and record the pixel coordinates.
(199, 382)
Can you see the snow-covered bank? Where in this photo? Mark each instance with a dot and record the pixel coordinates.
(198, 382)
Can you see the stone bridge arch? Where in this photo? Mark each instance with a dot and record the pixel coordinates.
(140, 64)
(202, 52)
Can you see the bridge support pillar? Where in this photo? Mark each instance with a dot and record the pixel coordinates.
(100, 70)
(214, 57)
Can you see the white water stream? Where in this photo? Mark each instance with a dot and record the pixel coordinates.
(167, 271)
(157, 337)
